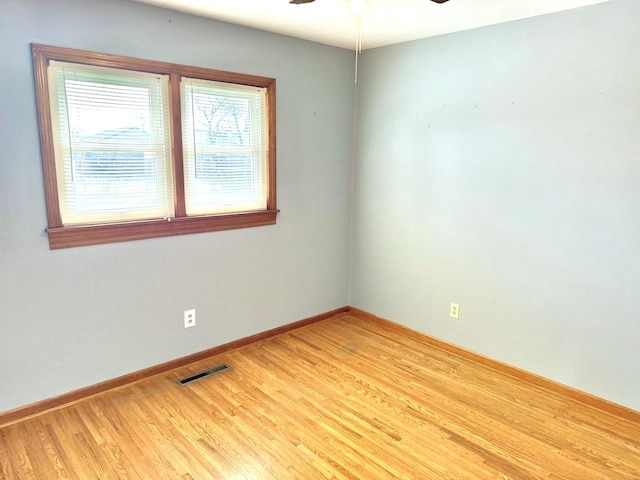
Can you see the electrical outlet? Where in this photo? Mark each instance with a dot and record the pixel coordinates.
(454, 311)
(189, 318)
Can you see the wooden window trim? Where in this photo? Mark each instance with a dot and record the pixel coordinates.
(61, 236)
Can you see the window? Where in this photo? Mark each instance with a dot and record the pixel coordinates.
(223, 147)
(135, 149)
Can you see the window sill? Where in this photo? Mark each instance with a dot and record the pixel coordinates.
(83, 235)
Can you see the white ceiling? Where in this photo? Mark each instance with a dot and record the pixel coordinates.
(385, 21)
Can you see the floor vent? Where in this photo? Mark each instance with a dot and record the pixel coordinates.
(206, 373)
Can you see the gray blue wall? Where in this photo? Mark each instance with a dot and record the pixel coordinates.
(71, 318)
(499, 168)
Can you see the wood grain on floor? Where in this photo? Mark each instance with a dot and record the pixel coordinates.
(345, 398)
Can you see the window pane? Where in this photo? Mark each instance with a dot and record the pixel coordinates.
(224, 147)
(112, 137)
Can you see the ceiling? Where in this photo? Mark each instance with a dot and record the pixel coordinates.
(385, 21)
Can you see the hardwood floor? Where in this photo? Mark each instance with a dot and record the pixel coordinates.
(345, 398)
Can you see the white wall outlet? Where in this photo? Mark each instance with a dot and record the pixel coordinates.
(454, 311)
(189, 318)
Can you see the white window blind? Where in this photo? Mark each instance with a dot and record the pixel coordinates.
(112, 143)
(224, 146)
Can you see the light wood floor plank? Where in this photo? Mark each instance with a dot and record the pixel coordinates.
(345, 398)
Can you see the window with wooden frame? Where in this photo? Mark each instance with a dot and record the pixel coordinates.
(135, 149)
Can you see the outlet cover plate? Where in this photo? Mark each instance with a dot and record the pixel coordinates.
(189, 318)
